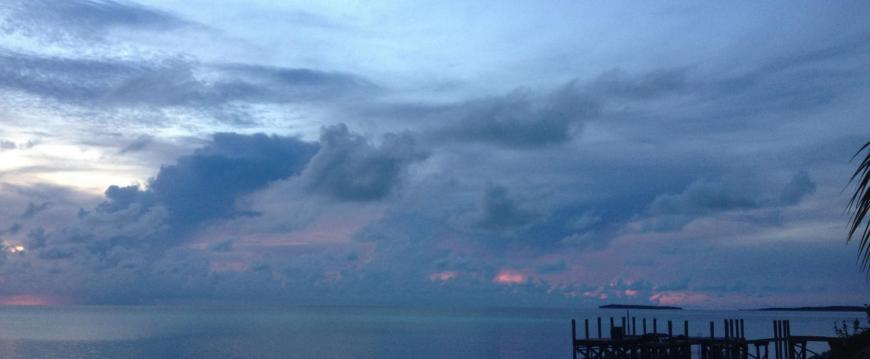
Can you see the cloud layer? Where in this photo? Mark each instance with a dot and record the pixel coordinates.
(389, 159)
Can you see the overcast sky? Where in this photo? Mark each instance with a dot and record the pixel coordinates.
(487, 153)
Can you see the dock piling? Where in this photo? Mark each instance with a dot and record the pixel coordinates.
(573, 338)
(599, 327)
(624, 343)
(586, 328)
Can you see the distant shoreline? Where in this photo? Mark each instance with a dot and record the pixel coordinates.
(833, 308)
(632, 306)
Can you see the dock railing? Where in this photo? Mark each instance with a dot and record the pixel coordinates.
(627, 342)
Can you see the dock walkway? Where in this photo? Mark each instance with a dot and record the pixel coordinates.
(627, 342)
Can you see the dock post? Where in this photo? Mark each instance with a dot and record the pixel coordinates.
(725, 328)
(644, 325)
(599, 327)
(776, 339)
(670, 329)
(686, 328)
(633, 326)
(624, 327)
(742, 330)
(707, 350)
(586, 328)
(655, 326)
(733, 330)
(728, 338)
(573, 338)
(788, 343)
(611, 325)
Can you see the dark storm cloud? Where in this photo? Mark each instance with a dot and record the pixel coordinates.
(349, 167)
(500, 212)
(84, 19)
(172, 82)
(522, 118)
(134, 226)
(204, 185)
(800, 186)
(133, 235)
(705, 198)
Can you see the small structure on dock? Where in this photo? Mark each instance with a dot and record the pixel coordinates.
(625, 341)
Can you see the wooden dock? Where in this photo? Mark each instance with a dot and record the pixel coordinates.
(627, 341)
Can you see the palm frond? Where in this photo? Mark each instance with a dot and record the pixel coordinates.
(859, 205)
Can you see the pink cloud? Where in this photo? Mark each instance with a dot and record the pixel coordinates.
(510, 277)
(674, 298)
(443, 276)
(30, 300)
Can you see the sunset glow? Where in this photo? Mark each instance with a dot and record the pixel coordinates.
(28, 300)
(510, 277)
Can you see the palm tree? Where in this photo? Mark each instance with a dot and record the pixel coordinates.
(860, 205)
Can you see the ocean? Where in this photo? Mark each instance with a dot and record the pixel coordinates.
(339, 332)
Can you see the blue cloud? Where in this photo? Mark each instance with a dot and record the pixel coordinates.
(111, 84)
(204, 185)
(522, 118)
(348, 167)
(500, 212)
(82, 19)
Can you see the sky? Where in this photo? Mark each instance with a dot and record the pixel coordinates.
(431, 153)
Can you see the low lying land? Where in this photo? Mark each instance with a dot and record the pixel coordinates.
(835, 308)
(632, 306)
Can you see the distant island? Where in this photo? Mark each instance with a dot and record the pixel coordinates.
(633, 306)
(833, 308)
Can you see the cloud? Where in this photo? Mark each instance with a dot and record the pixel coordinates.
(499, 211)
(705, 198)
(204, 185)
(178, 82)
(6, 145)
(137, 145)
(522, 118)
(33, 209)
(664, 143)
(136, 229)
(800, 186)
(348, 167)
(620, 84)
(82, 19)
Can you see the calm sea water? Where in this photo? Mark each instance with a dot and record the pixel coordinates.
(334, 332)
